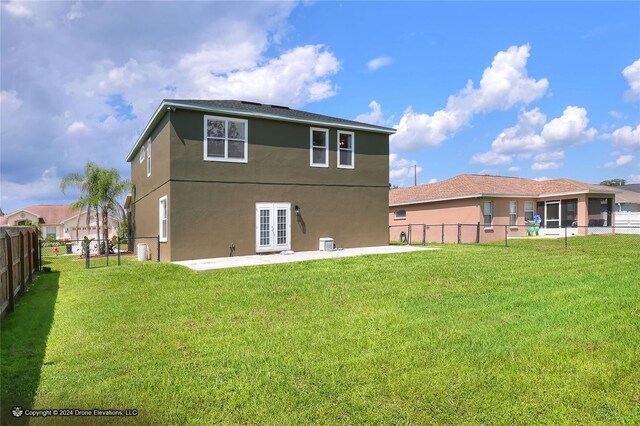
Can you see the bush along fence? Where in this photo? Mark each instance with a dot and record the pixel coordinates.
(19, 261)
(465, 233)
(98, 253)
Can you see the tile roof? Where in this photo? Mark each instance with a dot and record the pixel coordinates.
(49, 213)
(635, 187)
(625, 196)
(467, 185)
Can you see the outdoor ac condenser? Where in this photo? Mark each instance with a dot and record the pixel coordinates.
(327, 244)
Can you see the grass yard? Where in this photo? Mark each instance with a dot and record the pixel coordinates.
(530, 334)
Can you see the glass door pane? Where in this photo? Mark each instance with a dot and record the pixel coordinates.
(265, 227)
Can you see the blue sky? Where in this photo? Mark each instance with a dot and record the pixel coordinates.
(538, 90)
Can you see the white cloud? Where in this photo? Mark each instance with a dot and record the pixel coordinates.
(76, 11)
(401, 169)
(9, 102)
(433, 180)
(78, 127)
(372, 117)
(17, 9)
(491, 158)
(626, 137)
(616, 114)
(532, 135)
(633, 179)
(514, 169)
(547, 165)
(503, 85)
(632, 74)
(568, 129)
(542, 178)
(550, 156)
(379, 62)
(43, 188)
(620, 161)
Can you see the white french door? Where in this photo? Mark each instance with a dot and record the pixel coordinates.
(273, 227)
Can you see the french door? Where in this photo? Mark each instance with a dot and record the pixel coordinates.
(273, 227)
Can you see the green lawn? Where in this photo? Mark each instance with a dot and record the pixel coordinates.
(529, 334)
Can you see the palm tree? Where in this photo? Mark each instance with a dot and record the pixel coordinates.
(87, 184)
(110, 187)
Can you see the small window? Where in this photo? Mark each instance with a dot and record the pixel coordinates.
(142, 155)
(528, 211)
(319, 155)
(488, 213)
(51, 231)
(149, 157)
(400, 214)
(225, 139)
(162, 231)
(346, 149)
(513, 213)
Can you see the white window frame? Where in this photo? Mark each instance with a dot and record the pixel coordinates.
(163, 217)
(326, 147)
(55, 232)
(149, 157)
(226, 158)
(484, 213)
(529, 210)
(353, 150)
(513, 213)
(142, 155)
(397, 216)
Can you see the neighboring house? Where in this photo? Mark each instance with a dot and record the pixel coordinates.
(60, 222)
(221, 178)
(635, 187)
(627, 209)
(495, 201)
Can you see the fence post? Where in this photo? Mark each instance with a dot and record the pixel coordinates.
(565, 237)
(87, 246)
(106, 249)
(478, 233)
(424, 235)
(40, 253)
(459, 231)
(30, 250)
(506, 244)
(10, 283)
(21, 250)
(118, 240)
(443, 233)
(158, 248)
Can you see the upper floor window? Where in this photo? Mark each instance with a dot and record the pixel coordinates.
(149, 157)
(319, 155)
(528, 211)
(142, 154)
(488, 213)
(346, 150)
(225, 139)
(400, 214)
(513, 212)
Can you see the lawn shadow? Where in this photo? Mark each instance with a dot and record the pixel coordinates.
(23, 341)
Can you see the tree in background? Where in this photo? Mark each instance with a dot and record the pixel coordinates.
(110, 187)
(87, 184)
(614, 182)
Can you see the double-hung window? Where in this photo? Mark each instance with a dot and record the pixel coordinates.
(225, 139)
(162, 225)
(346, 150)
(488, 213)
(319, 154)
(513, 213)
(149, 157)
(528, 211)
(142, 155)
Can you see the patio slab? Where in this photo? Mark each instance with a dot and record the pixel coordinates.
(268, 259)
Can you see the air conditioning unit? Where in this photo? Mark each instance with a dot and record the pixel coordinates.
(327, 244)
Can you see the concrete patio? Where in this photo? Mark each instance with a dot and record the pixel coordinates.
(268, 259)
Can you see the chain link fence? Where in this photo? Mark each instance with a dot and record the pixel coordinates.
(94, 253)
(506, 235)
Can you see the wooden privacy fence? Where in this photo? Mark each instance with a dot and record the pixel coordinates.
(19, 259)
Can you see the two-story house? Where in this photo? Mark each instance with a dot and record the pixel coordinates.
(221, 178)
